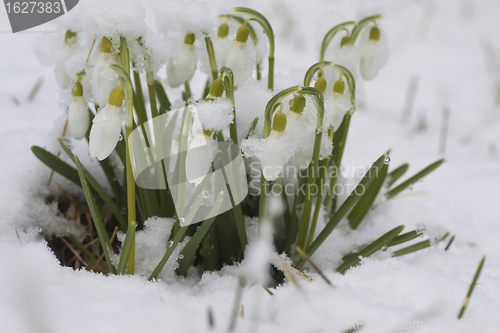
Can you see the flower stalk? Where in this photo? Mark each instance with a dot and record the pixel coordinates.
(259, 18)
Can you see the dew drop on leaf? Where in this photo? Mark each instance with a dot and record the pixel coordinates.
(181, 220)
(384, 248)
(170, 243)
(387, 159)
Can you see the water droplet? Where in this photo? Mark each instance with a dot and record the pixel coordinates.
(205, 194)
(384, 248)
(123, 210)
(67, 143)
(181, 220)
(181, 256)
(170, 243)
(120, 138)
(387, 159)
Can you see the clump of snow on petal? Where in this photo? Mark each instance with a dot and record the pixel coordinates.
(215, 114)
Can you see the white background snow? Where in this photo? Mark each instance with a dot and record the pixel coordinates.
(453, 48)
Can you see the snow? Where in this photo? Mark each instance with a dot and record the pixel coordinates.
(442, 42)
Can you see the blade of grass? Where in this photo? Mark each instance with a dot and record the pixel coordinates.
(405, 237)
(252, 127)
(127, 248)
(471, 288)
(371, 248)
(98, 188)
(397, 173)
(96, 217)
(35, 89)
(418, 246)
(56, 164)
(403, 186)
(190, 249)
(162, 97)
(178, 236)
(344, 209)
(366, 201)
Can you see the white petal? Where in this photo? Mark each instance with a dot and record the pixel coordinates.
(104, 79)
(183, 67)
(222, 46)
(63, 79)
(273, 161)
(78, 117)
(236, 59)
(105, 132)
(342, 101)
(302, 159)
(371, 58)
(198, 159)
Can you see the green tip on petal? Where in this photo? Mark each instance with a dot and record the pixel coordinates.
(217, 88)
(105, 45)
(279, 122)
(69, 35)
(375, 33)
(116, 96)
(223, 30)
(77, 89)
(189, 38)
(297, 104)
(320, 84)
(339, 87)
(242, 34)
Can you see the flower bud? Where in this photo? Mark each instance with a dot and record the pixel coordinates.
(116, 96)
(297, 104)
(223, 30)
(242, 34)
(104, 79)
(69, 37)
(320, 84)
(375, 33)
(189, 38)
(106, 128)
(339, 87)
(279, 122)
(78, 114)
(216, 89)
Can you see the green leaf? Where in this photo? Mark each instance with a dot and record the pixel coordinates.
(419, 246)
(126, 248)
(397, 173)
(252, 127)
(162, 97)
(403, 186)
(56, 164)
(190, 249)
(344, 208)
(366, 201)
(405, 237)
(96, 217)
(371, 248)
(98, 188)
(471, 288)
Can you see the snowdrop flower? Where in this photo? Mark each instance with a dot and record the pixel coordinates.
(341, 100)
(222, 44)
(238, 55)
(199, 155)
(107, 126)
(372, 55)
(78, 114)
(182, 68)
(273, 160)
(62, 78)
(104, 79)
(216, 89)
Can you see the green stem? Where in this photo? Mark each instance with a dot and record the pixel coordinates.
(227, 76)
(471, 288)
(319, 198)
(329, 36)
(259, 18)
(211, 57)
(357, 29)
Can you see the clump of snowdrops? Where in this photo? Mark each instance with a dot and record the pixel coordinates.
(292, 148)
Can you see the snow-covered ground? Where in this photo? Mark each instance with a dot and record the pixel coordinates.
(451, 46)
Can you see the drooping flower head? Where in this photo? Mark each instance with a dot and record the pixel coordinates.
(273, 161)
(78, 114)
(222, 44)
(183, 67)
(238, 55)
(107, 126)
(373, 54)
(104, 79)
